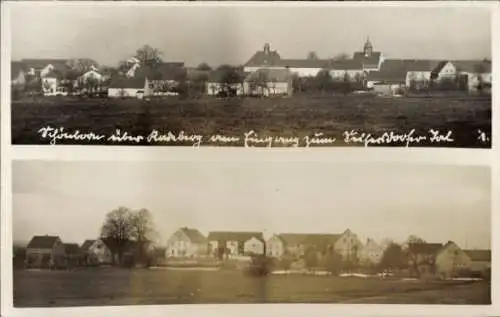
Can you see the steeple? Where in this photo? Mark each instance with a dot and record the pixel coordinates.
(368, 48)
(267, 48)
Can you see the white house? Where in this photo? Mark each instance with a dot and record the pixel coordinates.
(123, 87)
(477, 71)
(187, 243)
(231, 243)
(96, 252)
(254, 246)
(90, 75)
(351, 70)
(371, 252)
(269, 82)
(275, 246)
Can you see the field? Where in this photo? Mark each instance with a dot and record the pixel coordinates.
(95, 287)
(295, 117)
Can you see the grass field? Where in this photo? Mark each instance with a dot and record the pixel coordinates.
(94, 287)
(298, 116)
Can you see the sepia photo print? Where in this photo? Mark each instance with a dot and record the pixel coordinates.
(96, 233)
(278, 75)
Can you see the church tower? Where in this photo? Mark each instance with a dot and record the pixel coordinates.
(368, 48)
(267, 48)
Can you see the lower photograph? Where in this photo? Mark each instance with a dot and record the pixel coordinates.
(99, 233)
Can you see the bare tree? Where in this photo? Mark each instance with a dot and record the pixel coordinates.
(118, 229)
(204, 67)
(142, 230)
(148, 56)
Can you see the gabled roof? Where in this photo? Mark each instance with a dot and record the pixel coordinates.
(125, 82)
(271, 75)
(42, 242)
(371, 60)
(424, 248)
(87, 244)
(318, 239)
(392, 71)
(71, 248)
(471, 66)
(303, 63)
(261, 58)
(43, 62)
(16, 68)
(194, 235)
(215, 76)
(479, 255)
(234, 236)
(425, 65)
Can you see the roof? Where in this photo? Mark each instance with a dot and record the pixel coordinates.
(216, 76)
(424, 248)
(304, 63)
(42, 242)
(309, 238)
(194, 235)
(87, 244)
(347, 64)
(271, 75)
(479, 255)
(425, 65)
(261, 58)
(42, 63)
(471, 66)
(125, 82)
(234, 236)
(71, 248)
(371, 60)
(391, 71)
(16, 68)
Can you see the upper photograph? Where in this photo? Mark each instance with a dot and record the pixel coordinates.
(250, 75)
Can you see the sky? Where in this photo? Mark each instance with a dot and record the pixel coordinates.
(377, 200)
(231, 35)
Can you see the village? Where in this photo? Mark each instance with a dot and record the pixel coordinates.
(266, 73)
(341, 253)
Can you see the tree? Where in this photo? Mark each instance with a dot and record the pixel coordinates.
(204, 67)
(332, 261)
(118, 229)
(311, 258)
(230, 76)
(312, 56)
(91, 84)
(479, 69)
(142, 230)
(393, 258)
(259, 82)
(148, 56)
(82, 65)
(414, 239)
(323, 80)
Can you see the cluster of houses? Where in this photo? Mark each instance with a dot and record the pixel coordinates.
(266, 72)
(189, 244)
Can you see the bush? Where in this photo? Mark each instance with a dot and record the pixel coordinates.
(260, 266)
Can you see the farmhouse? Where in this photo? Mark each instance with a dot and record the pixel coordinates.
(231, 243)
(346, 244)
(480, 260)
(269, 82)
(478, 73)
(95, 252)
(371, 252)
(187, 243)
(42, 67)
(217, 83)
(254, 245)
(123, 87)
(45, 252)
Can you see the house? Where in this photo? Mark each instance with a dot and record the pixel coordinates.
(390, 77)
(451, 260)
(45, 252)
(18, 73)
(436, 259)
(42, 67)
(368, 58)
(187, 243)
(269, 82)
(123, 87)
(346, 244)
(91, 75)
(476, 72)
(480, 260)
(230, 243)
(422, 72)
(347, 70)
(371, 252)
(95, 252)
(254, 245)
(216, 84)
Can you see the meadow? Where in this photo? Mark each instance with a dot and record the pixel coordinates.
(292, 117)
(112, 286)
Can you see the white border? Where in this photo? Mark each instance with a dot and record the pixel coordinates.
(124, 153)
